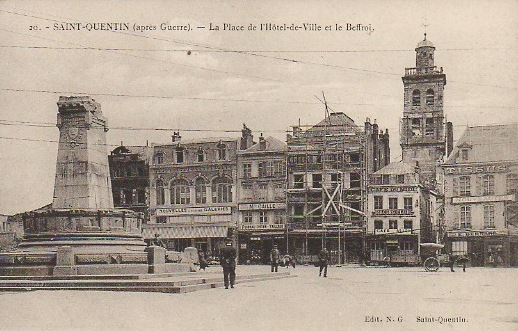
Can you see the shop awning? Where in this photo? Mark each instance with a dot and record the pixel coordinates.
(179, 232)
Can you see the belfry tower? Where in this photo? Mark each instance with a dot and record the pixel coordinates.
(424, 136)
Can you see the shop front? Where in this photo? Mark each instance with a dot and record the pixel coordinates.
(202, 227)
(344, 246)
(392, 248)
(255, 247)
(485, 248)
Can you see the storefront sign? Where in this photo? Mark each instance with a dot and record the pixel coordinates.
(385, 231)
(193, 211)
(255, 206)
(476, 169)
(474, 233)
(488, 198)
(393, 212)
(403, 188)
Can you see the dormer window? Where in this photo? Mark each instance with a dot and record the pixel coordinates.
(159, 158)
(464, 149)
(200, 155)
(222, 151)
(180, 154)
(464, 154)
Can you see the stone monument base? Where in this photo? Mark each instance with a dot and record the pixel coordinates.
(84, 242)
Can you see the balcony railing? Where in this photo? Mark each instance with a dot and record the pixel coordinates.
(422, 71)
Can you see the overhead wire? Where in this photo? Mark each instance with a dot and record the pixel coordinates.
(365, 71)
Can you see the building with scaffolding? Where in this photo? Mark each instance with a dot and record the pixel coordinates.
(327, 169)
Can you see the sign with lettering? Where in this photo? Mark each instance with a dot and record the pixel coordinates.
(402, 188)
(393, 212)
(475, 169)
(385, 231)
(193, 211)
(487, 198)
(255, 206)
(474, 233)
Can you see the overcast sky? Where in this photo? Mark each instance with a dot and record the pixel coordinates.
(266, 79)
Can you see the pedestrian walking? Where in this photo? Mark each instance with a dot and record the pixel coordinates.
(275, 258)
(452, 261)
(323, 260)
(464, 260)
(227, 259)
(202, 260)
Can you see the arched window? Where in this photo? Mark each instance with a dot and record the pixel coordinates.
(200, 191)
(221, 190)
(159, 158)
(200, 155)
(179, 191)
(160, 193)
(430, 97)
(222, 151)
(416, 98)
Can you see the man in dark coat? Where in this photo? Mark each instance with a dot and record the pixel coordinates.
(451, 261)
(227, 259)
(323, 260)
(275, 258)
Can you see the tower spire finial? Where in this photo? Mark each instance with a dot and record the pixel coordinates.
(425, 36)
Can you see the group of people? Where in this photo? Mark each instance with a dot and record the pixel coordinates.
(228, 256)
(275, 259)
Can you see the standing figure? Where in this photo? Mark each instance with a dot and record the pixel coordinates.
(464, 260)
(452, 261)
(202, 260)
(227, 260)
(323, 260)
(274, 258)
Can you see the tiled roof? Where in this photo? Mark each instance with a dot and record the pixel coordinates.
(272, 145)
(489, 143)
(397, 168)
(200, 141)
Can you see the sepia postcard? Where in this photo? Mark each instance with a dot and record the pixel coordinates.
(259, 165)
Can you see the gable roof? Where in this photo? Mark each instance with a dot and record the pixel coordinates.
(489, 143)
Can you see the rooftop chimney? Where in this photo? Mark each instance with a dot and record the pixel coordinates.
(262, 143)
(176, 136)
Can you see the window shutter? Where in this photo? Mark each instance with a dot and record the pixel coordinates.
(455, 186)
(456, 217)
(478, 186)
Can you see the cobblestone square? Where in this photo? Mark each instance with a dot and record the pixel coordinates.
(350, 298)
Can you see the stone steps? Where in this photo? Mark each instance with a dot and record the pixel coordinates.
(183, 284)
